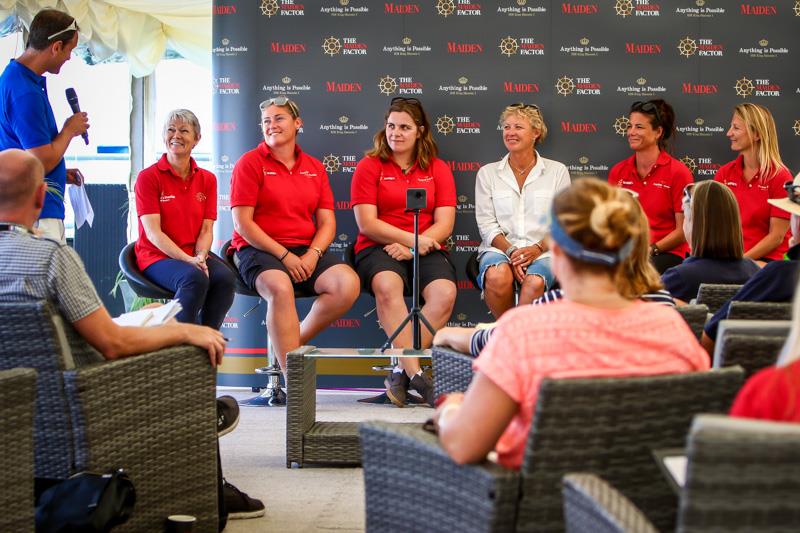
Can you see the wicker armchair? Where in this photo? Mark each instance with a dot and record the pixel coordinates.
(605, 426)
(153, 415)
(743, 475)
(695, 315)
(714, 295)
(17, 393)
(760, 311)
(452, 371)
(751, 352)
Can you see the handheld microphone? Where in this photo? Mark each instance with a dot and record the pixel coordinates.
(72, 99)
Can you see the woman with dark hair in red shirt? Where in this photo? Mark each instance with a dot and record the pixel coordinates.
(658, 178)
(283, 221)
(404, 157)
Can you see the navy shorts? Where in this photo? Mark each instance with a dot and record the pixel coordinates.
(373, 260)
(252, 262)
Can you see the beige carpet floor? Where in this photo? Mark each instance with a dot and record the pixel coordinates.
(299, 499)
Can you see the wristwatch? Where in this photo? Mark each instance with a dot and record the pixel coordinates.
(654, 249)
(319, 252)
(510, 250)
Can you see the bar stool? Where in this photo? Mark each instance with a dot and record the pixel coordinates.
(273, 395)
(136, 279)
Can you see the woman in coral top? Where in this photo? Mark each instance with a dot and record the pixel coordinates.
(594, 331)
(658, 178)
(755, 176)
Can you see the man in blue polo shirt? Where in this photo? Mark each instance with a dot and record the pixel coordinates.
(26, 118)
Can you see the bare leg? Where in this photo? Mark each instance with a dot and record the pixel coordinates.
(337, 290)
(283, 326)
(388, 289)
(532, 288)
(498, 289)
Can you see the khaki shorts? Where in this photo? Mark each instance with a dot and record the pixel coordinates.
(52, 228)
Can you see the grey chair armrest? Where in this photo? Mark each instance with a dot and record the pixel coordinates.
(155, 416)
(748, 327)
(411, 484)
(17, 396)
(301, 401)
(591, 505)
(452, 371)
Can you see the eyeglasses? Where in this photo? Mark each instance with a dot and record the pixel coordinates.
(647, 107)
(687, 193)
(281, 101)
(792, 192)
(72, 27)
(412, 101)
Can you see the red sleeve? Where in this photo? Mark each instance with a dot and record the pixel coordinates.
(245, 182)
(148, 193)
(364, 186)
(211, 196)
(326, 194)
(776, 190)
(682, 178)
(445, 184)
(764, 396)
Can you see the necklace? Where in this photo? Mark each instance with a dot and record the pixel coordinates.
(521, 171)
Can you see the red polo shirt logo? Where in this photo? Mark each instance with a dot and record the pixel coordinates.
(166, 198)
(201, 197)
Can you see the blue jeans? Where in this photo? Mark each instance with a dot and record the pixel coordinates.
(205, 299)
(540, 267)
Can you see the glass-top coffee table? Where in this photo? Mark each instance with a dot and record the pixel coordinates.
(308, 440)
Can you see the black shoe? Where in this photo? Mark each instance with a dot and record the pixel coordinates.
(227, 415)
(239, 505)
(424, 386)
(396, 387)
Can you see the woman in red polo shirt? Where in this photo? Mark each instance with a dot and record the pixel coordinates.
(404, 157)
(658, 178)
(177, 204)
(283, 221)
(757, 175)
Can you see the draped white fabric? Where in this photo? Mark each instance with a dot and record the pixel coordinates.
(140, 30)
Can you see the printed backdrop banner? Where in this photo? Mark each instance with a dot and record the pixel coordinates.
(583, 62)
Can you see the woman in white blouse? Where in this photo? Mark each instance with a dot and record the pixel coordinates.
(512, 204)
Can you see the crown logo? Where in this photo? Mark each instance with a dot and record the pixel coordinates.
(343, 237)
(406, 40)
(462, 80)
(700, 3)
(641, 81)
(344, 119)
(763, 42)
(583, 160)
(344, 2)
(522, 2)
(462, 198)
(699, 121)
(584, 41)
(286, 79)
(461, 316)
(224, 158)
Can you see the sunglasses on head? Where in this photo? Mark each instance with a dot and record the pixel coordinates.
(792, 192)
(412, 101)
(281, 101)
(72, 27)
(523, 105)
(647, 107)
(687, 193)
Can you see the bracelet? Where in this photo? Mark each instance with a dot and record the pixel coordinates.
(410, 249)
(319, 252)
(654, 249)
(281, 258)
(539, 246)
(510, 250)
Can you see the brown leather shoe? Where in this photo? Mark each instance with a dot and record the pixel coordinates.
(396, 387)
(424, 386)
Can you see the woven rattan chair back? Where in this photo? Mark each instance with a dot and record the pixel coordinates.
(743, 475)
(751, 352)
(695, 316)
(760, 311)
(30, 337)
(715, 295)
(610, 427)
(17, 395)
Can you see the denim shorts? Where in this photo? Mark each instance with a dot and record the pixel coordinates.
(540, 267)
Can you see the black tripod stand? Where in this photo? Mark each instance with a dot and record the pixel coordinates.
(416, 200)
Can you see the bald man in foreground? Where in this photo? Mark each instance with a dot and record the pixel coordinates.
(38, 268)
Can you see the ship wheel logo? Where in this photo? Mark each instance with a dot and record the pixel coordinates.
(690, 163)
(269, 8)
(445, 125)
(744, 87)
(331, 46)
(387, 85)
(445, 7)
(796, 8)
(624, 8)
(508, 46)
(796, 127)
(331, 163)
(565, 86)
(621, 125)
(687, 47)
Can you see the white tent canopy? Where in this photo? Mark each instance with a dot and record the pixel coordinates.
(139, 30)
